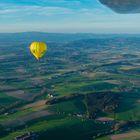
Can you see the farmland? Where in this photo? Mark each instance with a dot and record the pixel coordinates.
(66, 93)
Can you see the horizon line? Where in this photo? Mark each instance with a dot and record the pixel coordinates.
(99, 33)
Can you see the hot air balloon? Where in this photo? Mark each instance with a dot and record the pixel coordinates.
(38, 49)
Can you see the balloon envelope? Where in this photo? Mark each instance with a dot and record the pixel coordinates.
(38, 49)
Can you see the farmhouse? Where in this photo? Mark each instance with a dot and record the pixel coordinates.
(50, 96)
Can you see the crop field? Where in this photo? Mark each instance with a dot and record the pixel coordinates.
(75, 83)
(132, 135)
(76, 106)
(63, 127)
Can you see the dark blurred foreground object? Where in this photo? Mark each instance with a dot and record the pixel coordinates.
(123, 6)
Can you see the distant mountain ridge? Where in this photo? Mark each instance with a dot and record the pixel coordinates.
(41, 36)
(55, 37)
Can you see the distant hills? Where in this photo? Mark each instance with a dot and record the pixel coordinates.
(123, 6)
(54, 37)
(41, 36)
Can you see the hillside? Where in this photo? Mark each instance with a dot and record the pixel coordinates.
(81, 89)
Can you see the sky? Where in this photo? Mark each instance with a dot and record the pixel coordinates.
(64, 16)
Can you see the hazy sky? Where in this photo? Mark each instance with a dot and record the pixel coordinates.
(64, 16)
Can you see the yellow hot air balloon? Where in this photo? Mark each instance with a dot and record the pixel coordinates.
(38, 49)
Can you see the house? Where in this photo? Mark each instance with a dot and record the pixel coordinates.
(50, 96)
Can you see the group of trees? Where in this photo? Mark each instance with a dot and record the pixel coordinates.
(8, 108)
(63, 99)
(101, 102)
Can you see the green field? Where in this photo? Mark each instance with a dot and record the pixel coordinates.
(70, 69)
(74, 107)
(61, 128)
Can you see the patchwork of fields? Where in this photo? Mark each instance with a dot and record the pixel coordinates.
(73, 68)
